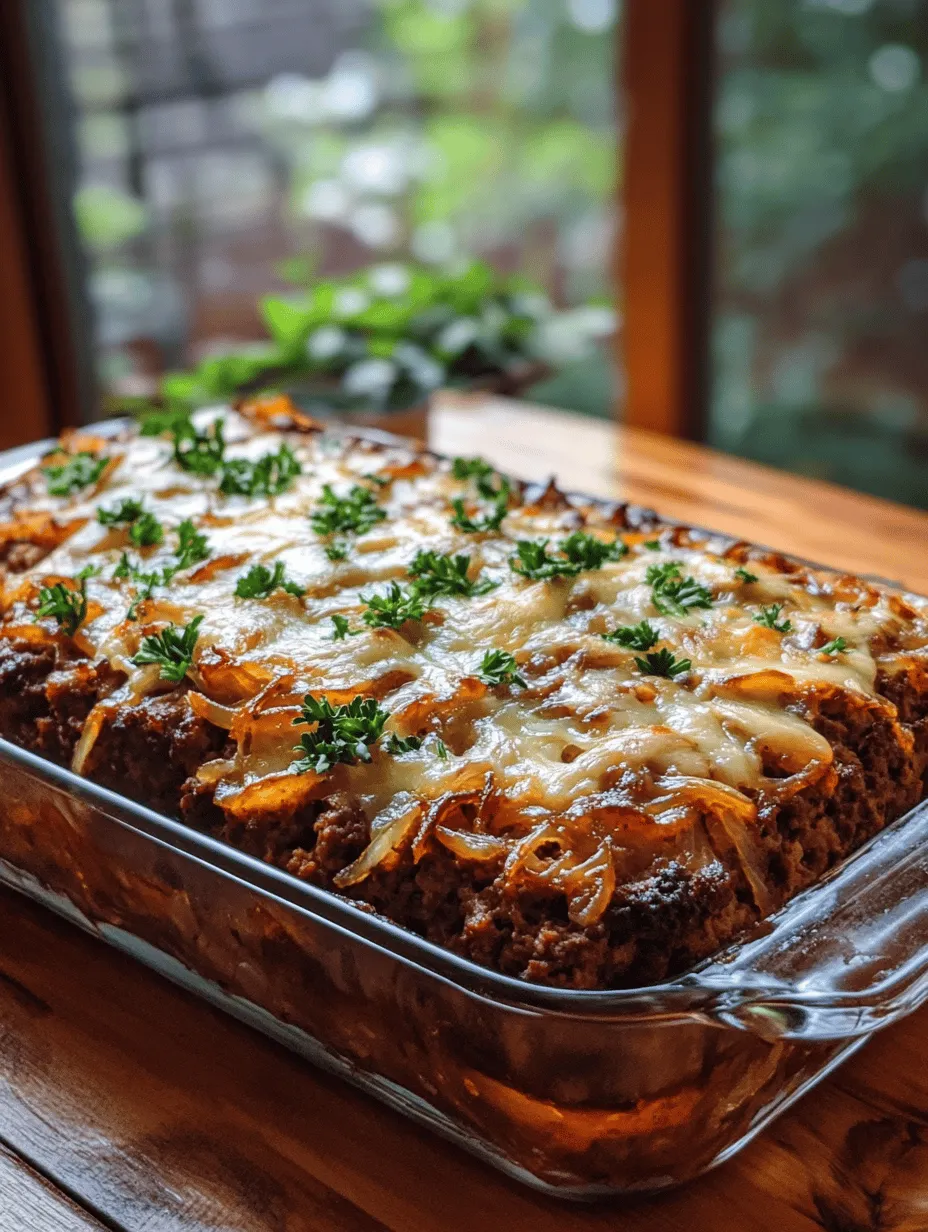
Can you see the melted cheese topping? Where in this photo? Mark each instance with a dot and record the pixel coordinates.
(593, 748)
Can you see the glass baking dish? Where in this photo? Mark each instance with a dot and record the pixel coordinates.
(579, 1094)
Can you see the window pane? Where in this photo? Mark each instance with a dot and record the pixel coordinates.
(820, 355)
(229, 148)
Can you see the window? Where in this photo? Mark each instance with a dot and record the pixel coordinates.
(821, 295)
(228, 148)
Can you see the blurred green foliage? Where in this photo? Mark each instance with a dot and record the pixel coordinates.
(822, 283)
(383, 338)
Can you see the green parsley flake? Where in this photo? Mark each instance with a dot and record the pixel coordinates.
(260, 583)
(343, 629)
(744, 575)
(354, 514)
(192, 546)
(498, 667)
(634, 637)
(392, 610)
(396, 745)
(835, 647)
(484, 524)
(201, 453)
(580, 552)
(80, 471)
(146, 531)
(769, 617)
(122, 514)
(172, 649)
(674, 595)
(436, 574)
(68, 604)
(662, 663)
(270, 475)
(342, 735)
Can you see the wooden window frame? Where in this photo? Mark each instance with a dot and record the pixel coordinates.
(663, 249)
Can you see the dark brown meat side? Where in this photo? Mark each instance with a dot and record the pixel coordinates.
(655, 927)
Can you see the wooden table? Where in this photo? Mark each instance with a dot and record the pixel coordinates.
(126, 1103)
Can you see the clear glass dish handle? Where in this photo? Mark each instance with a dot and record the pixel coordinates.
(846, 957)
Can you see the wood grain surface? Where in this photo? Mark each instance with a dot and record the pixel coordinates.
(160, 1114)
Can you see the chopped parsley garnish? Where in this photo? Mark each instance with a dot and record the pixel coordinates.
(441, 749)
(145, 582)
(202, 453)
(343, 629)
(192, 546)
(352, 514)
(769, 617)
(471, 468)
(380, 480)
(155, 421)
(672, 594)
(641, 636)
(396, 745)
(836, 646)
(270, 475)
(485, 523)
(336, 551)
(744, 575)
(392, 610)
(80, 471)
(499, 667)
(662, 663)
(343, 734)
(436, 574)
(260, 583)
(172, 649)
(122, 514)
(491, 519)
(145, 531)
(580, 551)
(68, 604)
(653, 545)
(587, 552)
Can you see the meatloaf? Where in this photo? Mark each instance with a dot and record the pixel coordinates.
(564, 738)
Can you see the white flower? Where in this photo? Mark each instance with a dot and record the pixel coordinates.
(371, 378)
(325, 342)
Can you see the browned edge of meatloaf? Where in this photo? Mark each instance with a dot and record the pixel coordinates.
(655, 927)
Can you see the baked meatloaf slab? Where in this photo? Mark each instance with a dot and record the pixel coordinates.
(561, 737)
